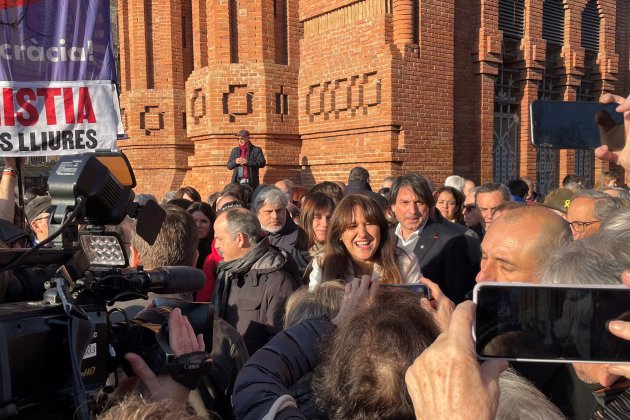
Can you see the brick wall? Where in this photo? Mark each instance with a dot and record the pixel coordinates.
(391, 85)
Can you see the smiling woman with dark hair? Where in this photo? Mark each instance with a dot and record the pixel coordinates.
(358, 243)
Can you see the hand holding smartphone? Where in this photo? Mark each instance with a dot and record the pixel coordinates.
(550, 323)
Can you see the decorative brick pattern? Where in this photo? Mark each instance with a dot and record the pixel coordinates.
(324, 85)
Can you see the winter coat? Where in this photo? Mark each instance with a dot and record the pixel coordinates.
(263, 386)
(255, 303)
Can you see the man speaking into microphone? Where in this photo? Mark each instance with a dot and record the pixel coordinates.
(245, 161)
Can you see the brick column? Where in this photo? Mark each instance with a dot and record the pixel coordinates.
(244, 84)
(573, 56)
(487, 59)
(156, 62)
(533, 47)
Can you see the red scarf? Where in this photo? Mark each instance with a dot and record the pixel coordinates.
(244, 150)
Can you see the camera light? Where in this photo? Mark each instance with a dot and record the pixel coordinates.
(104, 250)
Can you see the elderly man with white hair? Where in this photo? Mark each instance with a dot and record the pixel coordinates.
(270, 206)
(600, 259)
(456, 182)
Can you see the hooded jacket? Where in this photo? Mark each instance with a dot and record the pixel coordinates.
(255, 302)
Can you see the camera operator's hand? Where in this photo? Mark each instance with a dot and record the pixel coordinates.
(182, 340)
(358, 292)
(621, 157)
(441, 307)
(621, 329)
(447, 381)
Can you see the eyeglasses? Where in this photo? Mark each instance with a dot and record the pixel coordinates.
(580, 226)
(470, 207)
(41, 218)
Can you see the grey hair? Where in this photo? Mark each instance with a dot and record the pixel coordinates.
(617, 221)
(574, 187)
(269, 195)
(388, 179)
(240, 220)
(520, 400)
(455, 181)
(490, 187)
(623, 193)
(599, 259)
(287, 183)
(168, 196)
(591, 194)
(325, 300)
(605, 204)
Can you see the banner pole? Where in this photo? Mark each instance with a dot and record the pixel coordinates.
(18, 169)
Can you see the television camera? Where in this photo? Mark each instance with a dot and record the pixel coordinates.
(56, 354)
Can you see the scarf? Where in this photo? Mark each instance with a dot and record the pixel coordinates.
(315, 250)
(244, 150)
(229, 271)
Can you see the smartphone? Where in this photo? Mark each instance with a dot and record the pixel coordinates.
(417, 288)
(576, 125)
(550, 323)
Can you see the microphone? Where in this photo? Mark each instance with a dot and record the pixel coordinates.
(170, 279)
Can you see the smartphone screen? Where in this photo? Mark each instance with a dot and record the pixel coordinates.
(417, 288)
(576, 125)
(550, 323)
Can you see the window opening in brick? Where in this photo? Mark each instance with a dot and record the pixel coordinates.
(416, 22)
(512, 17)
(280, 31)
(590, 27)
(585, 159)
(553, 22)
(506, 113)
(547, 160)
(148, 43)
(233, 12)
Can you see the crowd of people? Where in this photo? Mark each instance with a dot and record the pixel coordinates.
(305, 323)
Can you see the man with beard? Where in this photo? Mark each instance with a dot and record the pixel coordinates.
(270, 206)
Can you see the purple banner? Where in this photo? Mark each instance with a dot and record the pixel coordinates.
(55, 40)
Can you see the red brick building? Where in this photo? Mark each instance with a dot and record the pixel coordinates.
(434, 86)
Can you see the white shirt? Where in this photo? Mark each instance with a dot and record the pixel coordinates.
(413, 237)
(407, 264)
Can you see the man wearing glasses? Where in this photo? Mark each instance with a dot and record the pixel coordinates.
(37, 213)
(472, 216)
(587, 210)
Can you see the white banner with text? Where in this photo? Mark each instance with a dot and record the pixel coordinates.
(58, 118)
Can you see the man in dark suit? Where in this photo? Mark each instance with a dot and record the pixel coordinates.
(245, 161)
(441, 250)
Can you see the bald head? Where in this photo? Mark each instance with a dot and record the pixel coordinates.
(519, 242)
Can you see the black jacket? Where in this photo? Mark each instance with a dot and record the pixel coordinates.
(473, 242)
(360, 187)
(255, 302)
(443, 256)
(288, 238)
(255, 161)
(276, 368)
